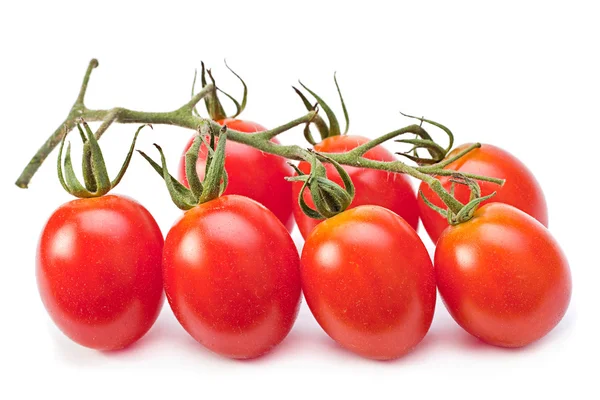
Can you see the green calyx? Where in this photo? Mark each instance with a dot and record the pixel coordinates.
(329, 198)
(213, 104)
(423, 140)
(215, 177)
(95, 176)
(468, 210)
(325, 131)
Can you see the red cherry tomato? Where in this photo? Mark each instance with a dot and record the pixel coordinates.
(388, 190)
(369, 282)
(232, 276)
(502, 276)
(99, 271)
(520, 190)
(252, 173)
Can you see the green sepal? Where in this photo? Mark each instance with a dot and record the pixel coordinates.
(213, 105)
(88, 175)
(94, 167)
(346, 180)
(127, 161)
(59, 169)
(449, 213)
(210, 146)
(439, 151)
(437, 124)
(191, 159)
(181, 196)
(334, 125)
(297, 170)
(418, 160)
(466, 213)
(305, 101)
(328, 197)
(308, 135)
(195, 110)
(311, 213)
(239, 107)
(86, 163)
(215, 174)
(429, 204)
(74, 186)
(467, 210)
(99, 171)
(424, 141)
(81, 134)
(461, 179)
(317, 120)
(317, 170)
(475, 199)
(302, 177)
(159, 169)
(346, 116)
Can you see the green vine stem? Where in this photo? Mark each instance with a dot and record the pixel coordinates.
(185, 117)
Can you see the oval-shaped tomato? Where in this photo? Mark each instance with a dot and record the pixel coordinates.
(99, 271)
(374, 187)
(369, 282)
(520, 190)
(502, 276)
(252, 173)
(232, 276)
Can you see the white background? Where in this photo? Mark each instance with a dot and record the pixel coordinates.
(521, 75)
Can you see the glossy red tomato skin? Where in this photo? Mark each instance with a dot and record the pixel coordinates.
(252, 173)
(520, 190)
(99, 271)
(232, 276)
(502, 276)
(373, 187)
(369, 282)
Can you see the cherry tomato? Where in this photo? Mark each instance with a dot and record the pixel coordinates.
(389, 190)
(252, 173)
(502, 276)
(369, 282)
(232, 276)
(520, 190)
(99, 271)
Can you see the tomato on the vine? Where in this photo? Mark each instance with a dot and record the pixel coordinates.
(369, 282)
(520, 190)
(232, 276)
(99, 271)
(252, 173)
(502, 276)
(373, 187)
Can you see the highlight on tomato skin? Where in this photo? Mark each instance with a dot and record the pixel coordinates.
(369, 282)
(373, 187)
(99, 271)
(520, 190)
(502, 276)
(252, 173)
(232, 277)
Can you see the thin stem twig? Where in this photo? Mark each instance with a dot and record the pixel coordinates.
(185, 117)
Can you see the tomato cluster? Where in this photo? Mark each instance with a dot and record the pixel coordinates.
(233, 276)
